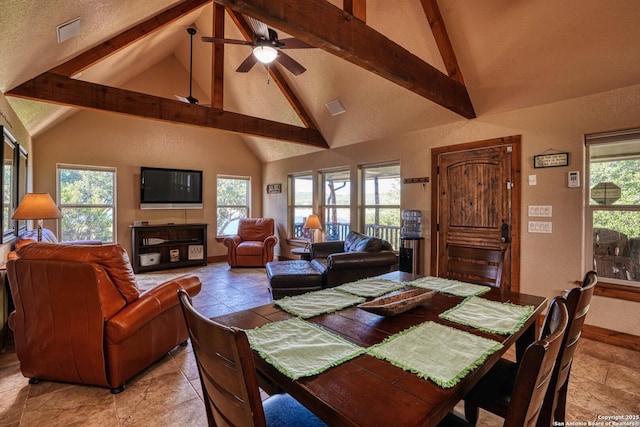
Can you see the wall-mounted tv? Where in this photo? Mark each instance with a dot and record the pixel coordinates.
(162, 188)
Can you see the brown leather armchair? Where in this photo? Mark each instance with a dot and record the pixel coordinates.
(80, 318)
(254, 243)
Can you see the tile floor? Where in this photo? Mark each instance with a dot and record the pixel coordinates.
(605, 379)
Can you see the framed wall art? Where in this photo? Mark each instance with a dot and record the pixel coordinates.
(274, 188)
(551, 160)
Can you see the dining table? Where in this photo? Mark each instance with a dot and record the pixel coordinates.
(366, 390)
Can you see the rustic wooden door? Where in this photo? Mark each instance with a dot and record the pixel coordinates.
(476, 201)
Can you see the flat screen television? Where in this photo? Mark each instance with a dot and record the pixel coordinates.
(162, 188)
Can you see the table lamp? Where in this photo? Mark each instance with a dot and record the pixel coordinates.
(312, 224)
(38, 206)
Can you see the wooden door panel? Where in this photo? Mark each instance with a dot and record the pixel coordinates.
(470, 189)
(473, 199)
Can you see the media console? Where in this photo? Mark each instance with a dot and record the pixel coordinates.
(164, 246)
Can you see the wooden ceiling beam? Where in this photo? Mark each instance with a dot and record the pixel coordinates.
(441, 37)
(217, 63)
(323, 25)
(356, 8)
(63, 90)
(276, 75)
(57, 86)
(132, 35)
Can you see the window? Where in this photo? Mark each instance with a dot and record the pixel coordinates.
(381, 197)
(300, 203)
(336, 196)
(613, 213)
(87, 200)
(8, 187)
(233, 203)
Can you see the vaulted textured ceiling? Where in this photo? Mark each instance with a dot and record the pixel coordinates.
(512, 55)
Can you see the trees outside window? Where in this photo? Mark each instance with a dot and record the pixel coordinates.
(87, 200)
(381, 196)
(613, 210)
(233, 203)
(7, 187)
(300, 203)
(336, 188)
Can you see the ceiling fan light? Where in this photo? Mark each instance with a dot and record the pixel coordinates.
(265, 54)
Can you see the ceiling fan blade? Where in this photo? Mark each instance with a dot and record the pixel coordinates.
(227, 41)
(260, 29)
(187, 100)
(290, 64)
(247, 64)
(292, 43)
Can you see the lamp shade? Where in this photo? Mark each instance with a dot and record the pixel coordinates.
(312, 223)
(265, 54)
(37, 206)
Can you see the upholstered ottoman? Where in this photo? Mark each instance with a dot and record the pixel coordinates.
(288, 278)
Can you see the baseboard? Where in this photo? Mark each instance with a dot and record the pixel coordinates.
(619, 339)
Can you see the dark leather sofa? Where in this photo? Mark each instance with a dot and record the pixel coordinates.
(357, 257)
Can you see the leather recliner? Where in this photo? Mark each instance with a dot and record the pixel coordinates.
(80, 318)
(357, 257)
(253, 245)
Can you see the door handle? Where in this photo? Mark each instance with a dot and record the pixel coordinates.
(504, 232)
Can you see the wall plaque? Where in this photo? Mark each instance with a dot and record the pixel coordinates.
(274, 188)
(551, 160)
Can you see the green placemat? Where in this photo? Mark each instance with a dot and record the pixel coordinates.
(490, 316)
(316, 303)
(432, 351)
(370, 287)
(298, 348)
(447, 286)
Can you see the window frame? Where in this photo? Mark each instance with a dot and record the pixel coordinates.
(293, 205)
(324, 206)
(609, 287)
(362, 206)
(246, 206)
(113, 206)
(16, 185)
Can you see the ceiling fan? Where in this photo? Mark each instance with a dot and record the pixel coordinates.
(266, 48)
(190, 99)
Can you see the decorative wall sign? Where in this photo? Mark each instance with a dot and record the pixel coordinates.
(551, 160)
(274, 188)
(421, 180)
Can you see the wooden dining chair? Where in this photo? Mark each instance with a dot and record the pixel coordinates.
(526, 383)
(496, 400)
(577, 300)
(229, 380)
(473, 264)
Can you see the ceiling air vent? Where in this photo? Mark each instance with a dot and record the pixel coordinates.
(335, 107)
(68, 29)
